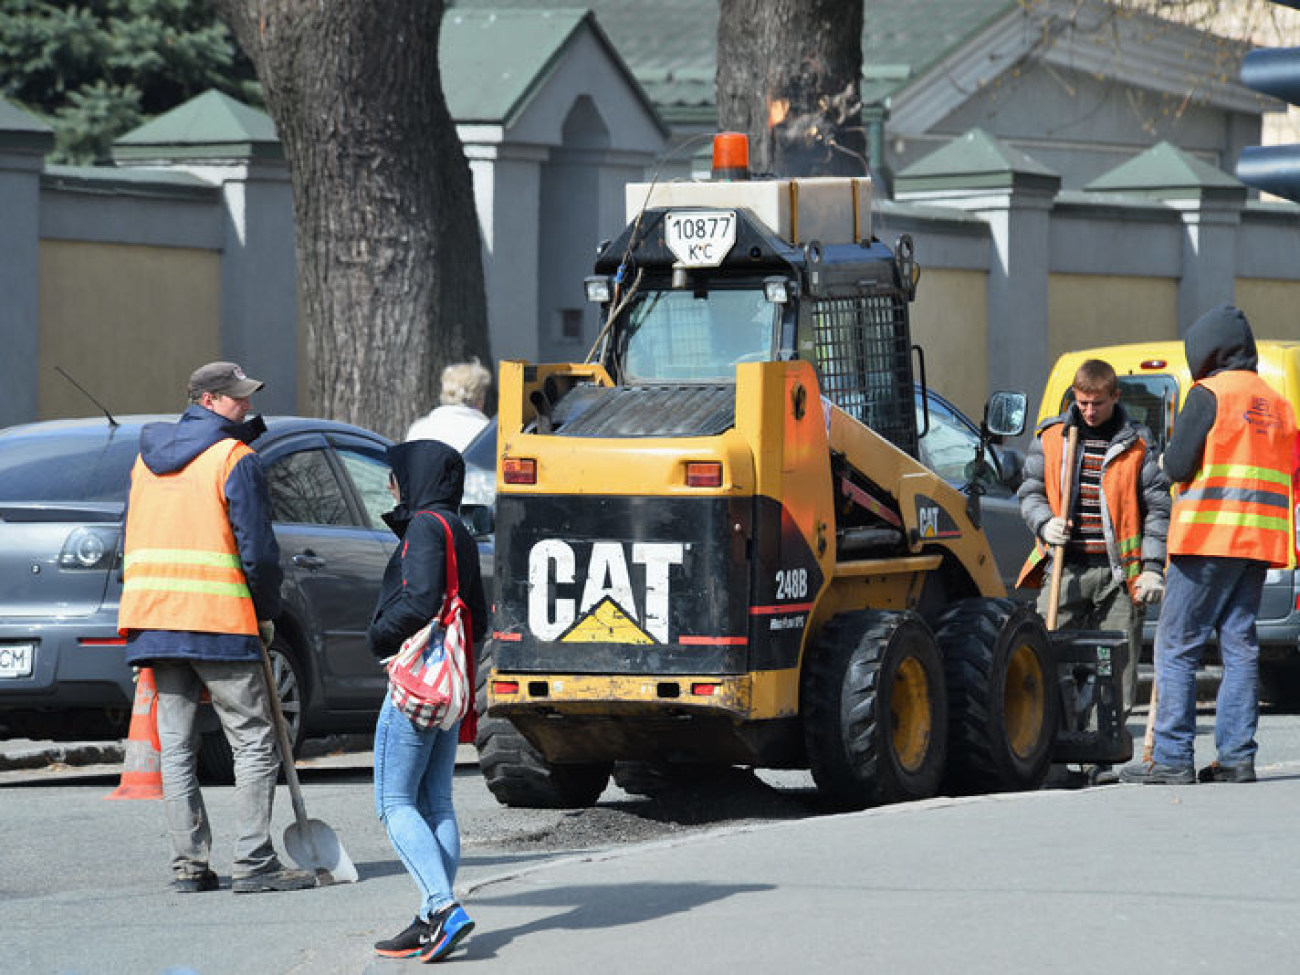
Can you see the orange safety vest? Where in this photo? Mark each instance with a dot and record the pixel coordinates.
(1121, 486)
(1238, 504)
(182, 567)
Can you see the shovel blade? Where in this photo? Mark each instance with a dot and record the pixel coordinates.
(314, 846)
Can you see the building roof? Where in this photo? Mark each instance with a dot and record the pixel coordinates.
(493, 60)
(670, 46)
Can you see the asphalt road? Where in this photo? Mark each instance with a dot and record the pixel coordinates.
(716, 881)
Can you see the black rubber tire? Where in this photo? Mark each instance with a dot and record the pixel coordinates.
(1002, 696)
(215, 760)
(875, 710)
(516, 773)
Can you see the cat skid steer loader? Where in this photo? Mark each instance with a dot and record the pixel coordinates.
(715, 544)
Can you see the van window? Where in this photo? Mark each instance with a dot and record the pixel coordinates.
(1151, 400)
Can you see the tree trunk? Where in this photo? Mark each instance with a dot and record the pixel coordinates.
(789, 77)
(390, 274)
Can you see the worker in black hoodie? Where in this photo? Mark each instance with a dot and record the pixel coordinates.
(414, 766)
(1230, 454)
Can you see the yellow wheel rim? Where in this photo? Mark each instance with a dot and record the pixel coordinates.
(1023, 701)
(910, 714)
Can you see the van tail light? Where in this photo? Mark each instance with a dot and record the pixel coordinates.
(704, 473)
(519, 470)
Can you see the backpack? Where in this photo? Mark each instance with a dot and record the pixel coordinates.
(428, 679)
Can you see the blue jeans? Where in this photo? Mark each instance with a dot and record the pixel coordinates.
(413, 775)
(1205, 596)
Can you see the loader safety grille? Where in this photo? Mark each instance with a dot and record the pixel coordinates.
(863, 358)
(656, 411)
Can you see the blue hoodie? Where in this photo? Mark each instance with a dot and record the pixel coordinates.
(169, 447)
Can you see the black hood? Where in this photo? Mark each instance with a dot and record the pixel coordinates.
(429, 473)
(1220, 339)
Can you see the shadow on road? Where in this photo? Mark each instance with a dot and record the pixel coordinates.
(599, 907)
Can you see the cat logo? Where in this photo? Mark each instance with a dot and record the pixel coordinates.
(607, 610)
(932, 521)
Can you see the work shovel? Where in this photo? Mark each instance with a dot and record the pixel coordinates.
(310, 843)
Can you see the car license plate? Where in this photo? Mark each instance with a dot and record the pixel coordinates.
(700, 238)
(16, 659)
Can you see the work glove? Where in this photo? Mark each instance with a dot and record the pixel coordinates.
(266, 630)
(1148, 587)
(1055, 531)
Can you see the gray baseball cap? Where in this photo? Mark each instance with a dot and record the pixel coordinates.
(223, 378)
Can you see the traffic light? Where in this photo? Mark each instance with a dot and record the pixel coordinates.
(1276, 72)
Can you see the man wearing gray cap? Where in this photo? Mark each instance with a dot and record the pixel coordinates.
(201, 583)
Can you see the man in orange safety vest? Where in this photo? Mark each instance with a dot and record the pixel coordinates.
(1231, 454)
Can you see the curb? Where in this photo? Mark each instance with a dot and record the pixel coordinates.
(41, 756)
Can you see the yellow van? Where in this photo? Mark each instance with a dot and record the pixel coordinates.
(1153, 380)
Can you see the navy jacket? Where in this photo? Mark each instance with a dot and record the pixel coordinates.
(431, 476)
(169, 447)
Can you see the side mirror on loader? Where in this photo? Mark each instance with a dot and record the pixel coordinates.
(1004, 414)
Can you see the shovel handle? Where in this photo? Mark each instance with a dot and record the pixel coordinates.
(286, 747)
(1149, 739)
(1058, 551)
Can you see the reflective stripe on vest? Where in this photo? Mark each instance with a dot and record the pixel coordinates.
(1121, 486)
(181, 565)
(1238, 505)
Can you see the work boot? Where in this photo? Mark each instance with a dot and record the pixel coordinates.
(447, 928)
(1153, 773)
(408, 944)
(277, 878)
(195, 883)
(1214, 772)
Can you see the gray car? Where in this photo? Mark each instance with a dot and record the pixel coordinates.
(63, 483)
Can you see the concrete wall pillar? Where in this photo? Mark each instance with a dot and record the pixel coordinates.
(1209, 259)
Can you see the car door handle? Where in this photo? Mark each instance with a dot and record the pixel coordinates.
(309, 560)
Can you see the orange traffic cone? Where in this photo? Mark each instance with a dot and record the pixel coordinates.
(142, 768)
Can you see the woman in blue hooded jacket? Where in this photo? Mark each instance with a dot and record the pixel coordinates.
(414, 766)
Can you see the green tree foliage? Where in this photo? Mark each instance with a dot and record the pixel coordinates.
(94, 69)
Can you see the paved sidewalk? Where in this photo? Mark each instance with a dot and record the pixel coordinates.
(1111, 879)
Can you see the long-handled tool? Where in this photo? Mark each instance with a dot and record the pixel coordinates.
(1058, 551)
(309, 842)
(1149, 739)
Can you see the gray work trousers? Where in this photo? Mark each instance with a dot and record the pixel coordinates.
(1092, 599)
(238, 692)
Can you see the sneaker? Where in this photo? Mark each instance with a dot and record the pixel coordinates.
(195, 883)
(1214, 772)
(447, 928)
(1153, 773)
(277, 878)
(407, 944)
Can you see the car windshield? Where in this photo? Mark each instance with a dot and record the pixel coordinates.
(681, 335)
(85, 465)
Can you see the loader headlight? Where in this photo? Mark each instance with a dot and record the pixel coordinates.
(776, 290)
(597, 287)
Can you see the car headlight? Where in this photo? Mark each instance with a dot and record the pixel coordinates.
(89, 548)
